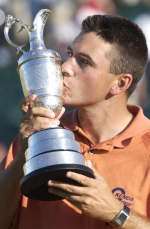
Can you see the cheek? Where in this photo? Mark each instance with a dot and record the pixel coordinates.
(90, 83)
(82, 84)
(96, 86)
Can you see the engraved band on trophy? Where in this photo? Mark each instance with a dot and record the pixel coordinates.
(53, 151)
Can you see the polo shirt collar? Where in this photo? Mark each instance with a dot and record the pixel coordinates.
(139, 124)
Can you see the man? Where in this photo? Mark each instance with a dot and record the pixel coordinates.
(104, 64)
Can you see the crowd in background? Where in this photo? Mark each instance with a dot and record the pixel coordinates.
(63, 25)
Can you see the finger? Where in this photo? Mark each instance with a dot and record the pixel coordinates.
(24, 108)
(26, 129)
(81, 179)
(28, 102)
(32, 123)
(70, 197)
(57, 192)
(31, 98)
(73, 199)
(43, 112)
(26, 133)
(37, 124)
(40, 123)
(95, 172)
(61, 113)
(73, 189)
(54, 123)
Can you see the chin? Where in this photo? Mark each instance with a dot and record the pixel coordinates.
(69, 101)
(75, 104)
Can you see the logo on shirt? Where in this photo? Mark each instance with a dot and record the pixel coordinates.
(122, 196)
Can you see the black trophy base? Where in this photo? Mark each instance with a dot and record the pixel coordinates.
(35, 185)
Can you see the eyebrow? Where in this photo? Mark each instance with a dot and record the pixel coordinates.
(69, 48)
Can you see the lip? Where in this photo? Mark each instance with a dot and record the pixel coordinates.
(66, 90)
(65, 87)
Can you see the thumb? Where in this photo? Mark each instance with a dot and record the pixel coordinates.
(90, 165)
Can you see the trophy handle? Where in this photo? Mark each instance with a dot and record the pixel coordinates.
(35, 32)
(9, 22)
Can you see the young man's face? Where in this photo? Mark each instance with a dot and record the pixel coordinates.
(87, 80)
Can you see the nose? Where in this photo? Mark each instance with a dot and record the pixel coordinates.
(67, 68)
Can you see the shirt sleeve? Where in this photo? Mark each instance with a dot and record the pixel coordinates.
(12, 151)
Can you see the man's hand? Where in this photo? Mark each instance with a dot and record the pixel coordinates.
(37, 118)
(93, 197)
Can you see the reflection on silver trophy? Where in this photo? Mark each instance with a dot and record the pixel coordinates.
(54, 151)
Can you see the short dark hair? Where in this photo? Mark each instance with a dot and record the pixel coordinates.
(130, 50)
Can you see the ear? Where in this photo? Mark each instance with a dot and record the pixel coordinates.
(121, 84)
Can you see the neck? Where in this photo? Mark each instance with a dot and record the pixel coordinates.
(105, 120)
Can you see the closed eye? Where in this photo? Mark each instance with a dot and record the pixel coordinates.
(82, 62)
(69, 52)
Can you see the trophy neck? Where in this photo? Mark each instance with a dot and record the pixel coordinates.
(36, 40)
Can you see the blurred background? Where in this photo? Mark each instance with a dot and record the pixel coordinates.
(63, 25)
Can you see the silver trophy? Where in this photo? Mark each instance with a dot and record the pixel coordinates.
(51, 152)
